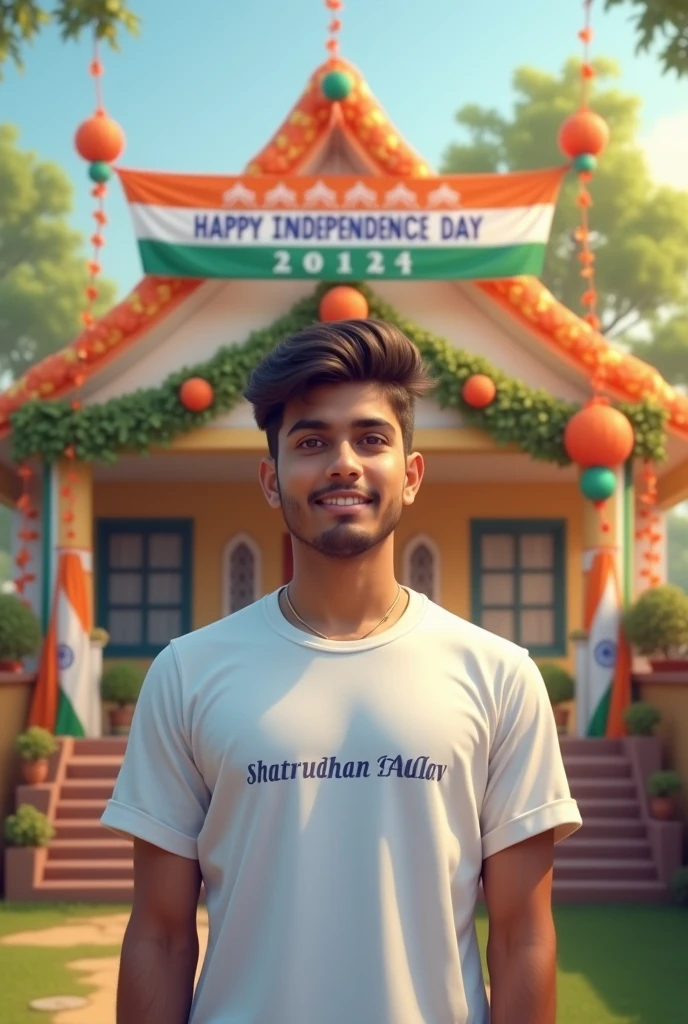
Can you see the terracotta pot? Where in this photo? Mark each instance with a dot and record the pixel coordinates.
(120, 719)
(669, 664)
(11, 666)
(34, 772)
(561, 716)
(662, 808)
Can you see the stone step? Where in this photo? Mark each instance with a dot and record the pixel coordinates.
(87, 789)
(90, 810)
(598, 868)
(609, 808)
(85, 891)
(609, 891)
(80, 828)
(610, 828)
(581, 767)
(92, 869)
(582, 746)
(106, 746)
(603, 789)
(94, 768)
(105, 848)
(575, 848)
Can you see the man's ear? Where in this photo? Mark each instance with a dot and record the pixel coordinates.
(415, 470)
(267, 476)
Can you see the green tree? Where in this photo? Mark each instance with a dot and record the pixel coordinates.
(666, 20)
(640, 228)
(667, 348)
(22, 20)
(43, 270)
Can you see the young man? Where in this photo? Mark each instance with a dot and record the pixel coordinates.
(343, 760)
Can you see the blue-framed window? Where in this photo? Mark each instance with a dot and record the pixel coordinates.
(518, 583)
(144, 583)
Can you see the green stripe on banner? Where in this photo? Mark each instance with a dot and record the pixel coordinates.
(341, 264)
(67, 722)
(598, 722)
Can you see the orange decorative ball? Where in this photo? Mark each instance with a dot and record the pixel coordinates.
(99, 138)
(343, 303)
(479, 391)
(583, 132)
(196, 394)
(599, 435)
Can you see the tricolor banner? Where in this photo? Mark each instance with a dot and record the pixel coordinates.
(65, 700)
(608, 676)
(343, 228)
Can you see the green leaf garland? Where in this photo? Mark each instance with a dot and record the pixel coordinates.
(152, 417)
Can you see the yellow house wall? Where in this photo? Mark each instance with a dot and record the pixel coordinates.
(443, 512)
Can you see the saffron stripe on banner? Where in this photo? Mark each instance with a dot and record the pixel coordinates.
(345, 192)
(445, 263)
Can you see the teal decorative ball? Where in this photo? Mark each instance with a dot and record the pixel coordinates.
(336, 85)
(598, 483)
(585, 162)
(100, 172)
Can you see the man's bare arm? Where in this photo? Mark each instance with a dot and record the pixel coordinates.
(160, 948)
(522, 948)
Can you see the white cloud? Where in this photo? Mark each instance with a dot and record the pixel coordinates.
(666, 147)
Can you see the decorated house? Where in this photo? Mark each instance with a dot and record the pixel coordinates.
(132, 458)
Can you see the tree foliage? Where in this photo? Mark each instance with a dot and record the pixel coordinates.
(22, 20)
(665, 20)
(641, 228)
(42, 260)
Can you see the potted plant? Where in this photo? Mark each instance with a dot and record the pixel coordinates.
(28, 827)
(34, 748)
(99, 637)
(661, 787)
(657, 625)
(120, 686)
(560, 688)
(641, 718)
(679, 886)
(20, 633)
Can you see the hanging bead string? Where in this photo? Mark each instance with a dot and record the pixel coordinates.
(649, 529)
(585, 165)
(99, 191)
(28, 534)
(334, 27)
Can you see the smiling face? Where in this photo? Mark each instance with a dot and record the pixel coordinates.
(342, 476)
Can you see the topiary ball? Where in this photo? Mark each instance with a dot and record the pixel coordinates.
(585, 162)
(598, 483)
(336, 85)
(559, 683)
(20, 631)
(121, 684)
(100, 172)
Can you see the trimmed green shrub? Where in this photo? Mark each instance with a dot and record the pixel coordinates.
(641, 718)
(121, 684)
(658, 622)
(28, 827)
(559, 683)
(20, 631)
(679, 887)
(664, 783)
(35, 744)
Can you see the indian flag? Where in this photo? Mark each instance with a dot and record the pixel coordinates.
(342, 228)
(608, 677)
(65, 699)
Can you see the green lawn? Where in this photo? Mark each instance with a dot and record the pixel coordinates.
(617, 965)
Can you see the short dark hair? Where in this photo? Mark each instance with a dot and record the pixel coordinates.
(343, 352)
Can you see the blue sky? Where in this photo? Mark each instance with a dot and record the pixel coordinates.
(207, 83)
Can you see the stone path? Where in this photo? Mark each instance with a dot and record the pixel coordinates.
(100, 972)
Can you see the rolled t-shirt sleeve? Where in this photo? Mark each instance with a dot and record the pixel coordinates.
(527, 790)
(160, 795)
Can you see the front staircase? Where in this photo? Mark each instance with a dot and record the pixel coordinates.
(615, 857)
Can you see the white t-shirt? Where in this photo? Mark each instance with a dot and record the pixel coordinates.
(340, 798)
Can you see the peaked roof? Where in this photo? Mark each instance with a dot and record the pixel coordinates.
(298, 140)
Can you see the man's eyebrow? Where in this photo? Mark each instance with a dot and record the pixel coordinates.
(364, 424)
